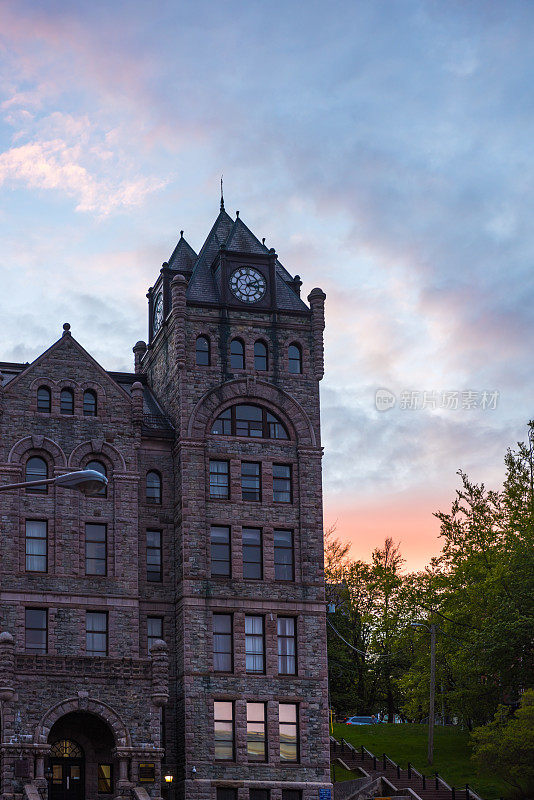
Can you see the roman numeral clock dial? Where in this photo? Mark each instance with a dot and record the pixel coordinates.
(158, 313)
(247, 284)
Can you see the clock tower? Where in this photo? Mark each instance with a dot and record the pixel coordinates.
(234, 359)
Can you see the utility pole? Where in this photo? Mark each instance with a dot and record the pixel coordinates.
(432, 628)
(432, 693)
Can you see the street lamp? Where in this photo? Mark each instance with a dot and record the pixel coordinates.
(432, 629)
(87, 481)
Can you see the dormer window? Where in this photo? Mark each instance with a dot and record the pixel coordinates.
(260, 356)
(248, 420)
(89, 403)
(237, 354)
(66, 402)
(44, 399)
(203, 351)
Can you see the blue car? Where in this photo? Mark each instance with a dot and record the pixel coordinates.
(361, 720)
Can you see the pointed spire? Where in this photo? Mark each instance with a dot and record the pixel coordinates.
(222, 195)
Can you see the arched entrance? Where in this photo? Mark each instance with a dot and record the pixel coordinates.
(81, 764)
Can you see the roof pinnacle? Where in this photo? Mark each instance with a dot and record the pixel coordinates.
(222, 195)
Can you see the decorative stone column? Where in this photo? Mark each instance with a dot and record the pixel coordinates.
(159, 653)
(7, 667)
(139, 351)
(40, 781)
(178, 287)
(137, 402)
(316, 300)
(123, 783)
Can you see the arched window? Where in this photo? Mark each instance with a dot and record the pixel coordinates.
(36, 470)
(89, 403)
(99, 467)
(203, 351)
(66, 403)
(237, 354)
(260, 356)
(249, 420)
(66, 749)
(295, 359)
(44, 399)
(153, 487)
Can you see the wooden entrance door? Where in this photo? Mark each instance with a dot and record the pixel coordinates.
(67, 779)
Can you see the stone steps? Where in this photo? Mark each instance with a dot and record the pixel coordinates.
(402, 779)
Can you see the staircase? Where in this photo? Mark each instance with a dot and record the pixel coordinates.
(404, 781)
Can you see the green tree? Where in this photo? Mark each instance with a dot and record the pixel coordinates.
(506, 745)
(368, 602)
(480, 592)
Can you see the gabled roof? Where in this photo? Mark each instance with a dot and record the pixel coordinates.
(183, 256)
(66, 341)
(236, 236)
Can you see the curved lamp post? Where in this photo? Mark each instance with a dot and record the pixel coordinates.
(87, 481)
(432, 629)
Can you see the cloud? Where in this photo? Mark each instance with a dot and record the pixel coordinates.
(383, 149)
(56, 165)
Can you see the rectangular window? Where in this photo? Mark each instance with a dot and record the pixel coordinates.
(223, 716)
(219, 479)
(153, 556)
(283, 556)
(96, 636)
(291, 794)
(289, 739)
(36, 545)
(256, 739)
(254, 645)
(251, 481)
(252, 554)
(222, 643)
(95, 549)
(226, 793)
(105, 778)
(258, 794)
(154, 630)
(282, 483)
(220, 551)
(287, 646)
(36, 624)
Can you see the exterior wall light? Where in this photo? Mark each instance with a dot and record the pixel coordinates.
(87, 481)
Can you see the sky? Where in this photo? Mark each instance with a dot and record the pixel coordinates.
(383, 147)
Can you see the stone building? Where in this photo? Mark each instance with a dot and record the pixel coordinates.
(175, 623)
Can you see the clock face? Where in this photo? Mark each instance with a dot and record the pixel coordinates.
(158, 313)
(247, 284)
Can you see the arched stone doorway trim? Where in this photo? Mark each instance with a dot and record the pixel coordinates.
(89, 706)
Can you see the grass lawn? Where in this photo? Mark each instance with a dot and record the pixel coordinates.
(408, 742)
